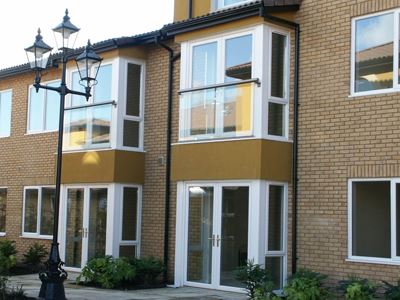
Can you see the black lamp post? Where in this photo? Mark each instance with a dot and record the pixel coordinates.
(88, 65)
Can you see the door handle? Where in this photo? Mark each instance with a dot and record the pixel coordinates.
(218, 240)
(84, 233)
(213, 240)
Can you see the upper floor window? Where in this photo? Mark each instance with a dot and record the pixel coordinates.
(43, 109)
(228, 3)
(113, 116)
(235, 86)
(375, 54)
(5, 113)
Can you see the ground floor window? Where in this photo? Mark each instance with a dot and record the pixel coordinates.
(98, 220)
(38, 211)
(374, 232)
(221, 225)
(3, 203)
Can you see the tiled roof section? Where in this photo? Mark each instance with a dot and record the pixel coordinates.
(143, 38)
(281, 2)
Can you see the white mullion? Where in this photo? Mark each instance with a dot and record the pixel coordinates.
(396, 50)
(350, 219)
(393, 217)
(39, 209)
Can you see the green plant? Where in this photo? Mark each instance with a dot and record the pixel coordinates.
(392, 291)
(107, 272)
(35, 256)
(356, 288)
(306, 285)
(253, 276)
(148, 270)
(10, 292)
(265, 292)
(7, 256)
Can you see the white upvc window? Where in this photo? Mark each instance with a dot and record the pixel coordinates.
(38, 209)
(375, 54)
(236, 85)
(113, 117)
(276, 233)
(221, 4)
(374, 229)
(5, 113)
(43, 109)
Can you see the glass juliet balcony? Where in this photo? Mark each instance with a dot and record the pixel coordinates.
(88, 127)
(217, 111)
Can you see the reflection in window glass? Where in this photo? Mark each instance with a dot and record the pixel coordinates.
(3, 205)
(76, 127)
(278, 52)
(237, 108)
(371, 219)
(133, 90)
(31, 205)
(202, 112)
(75, 99)
(101, 123)
(238, 58)
(374, 53)
(276, 119)
(204, 67)
(5, 113)
(102, 90)
(47, 209)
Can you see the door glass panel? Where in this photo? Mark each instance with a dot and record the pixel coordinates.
(97, 222)
(238, 58)
(275, 218)
(73, 247)
(234, 233)
(274, 265)
(200, 232)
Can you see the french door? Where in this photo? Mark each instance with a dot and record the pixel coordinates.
(217, 234)
(85, 224)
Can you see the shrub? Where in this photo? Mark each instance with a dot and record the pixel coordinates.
(254, 277)
(7, 256)
(265, 292)
(10, 292)
(306, 285)
(35, 256)
(392, 291)
(107, 272)
(148, 270)
(356, 288)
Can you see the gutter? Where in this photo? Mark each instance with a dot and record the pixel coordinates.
(295, 178)
(172, 58)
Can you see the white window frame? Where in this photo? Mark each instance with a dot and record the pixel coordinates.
(394, 260)
(39, 209)
(219, 4)
(1, 92)
(257, 70)
(3, 233)
(282, 253)
(136, 242)
(271, 99)
(44, 111)
(122, 116)
(396, 37)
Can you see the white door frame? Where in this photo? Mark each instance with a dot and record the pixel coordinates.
(86, 203)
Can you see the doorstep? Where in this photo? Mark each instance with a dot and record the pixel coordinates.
(31, 286)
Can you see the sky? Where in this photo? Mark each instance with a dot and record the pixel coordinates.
(20, 20)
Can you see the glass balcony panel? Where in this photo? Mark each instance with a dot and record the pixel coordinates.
(217, 112)
(87, 127)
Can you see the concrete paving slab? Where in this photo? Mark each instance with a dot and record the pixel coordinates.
(31, 286)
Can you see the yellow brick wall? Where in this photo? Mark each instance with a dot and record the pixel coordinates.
(339, 137)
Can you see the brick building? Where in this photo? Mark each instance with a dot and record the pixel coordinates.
(261, 130)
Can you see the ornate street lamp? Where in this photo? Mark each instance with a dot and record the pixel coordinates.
(88, 65)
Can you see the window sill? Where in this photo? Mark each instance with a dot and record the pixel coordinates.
(2, 234)
(373, 93)
(40, 132)
(36, 236)
(373, 260)
(216, 140)
(4, 136)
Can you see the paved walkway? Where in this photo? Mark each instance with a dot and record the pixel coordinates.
(31, 286)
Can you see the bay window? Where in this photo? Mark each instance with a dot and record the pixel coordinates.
(375, 53)
(113, 117)
(374, 230)
(219, 4)
(236, 86)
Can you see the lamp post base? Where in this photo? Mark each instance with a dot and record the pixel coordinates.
(52, 287)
